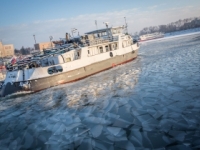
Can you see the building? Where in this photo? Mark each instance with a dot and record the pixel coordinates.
(6, 50)
(42, 46)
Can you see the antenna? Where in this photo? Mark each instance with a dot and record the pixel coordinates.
(73, 30)
(106, 23)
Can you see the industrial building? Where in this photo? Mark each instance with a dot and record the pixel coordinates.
(6, 50)
(42, 46)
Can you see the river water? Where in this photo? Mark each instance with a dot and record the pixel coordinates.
(152, 102)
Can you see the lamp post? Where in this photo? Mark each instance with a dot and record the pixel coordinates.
(126, 25)
(51, 38)
(35, 40)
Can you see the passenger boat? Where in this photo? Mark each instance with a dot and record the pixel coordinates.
(78, 58)
(151, 36)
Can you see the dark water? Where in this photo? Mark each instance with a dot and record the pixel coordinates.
(152, 102)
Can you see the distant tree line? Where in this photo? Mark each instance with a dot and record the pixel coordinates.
(179, 25)
(23, 51)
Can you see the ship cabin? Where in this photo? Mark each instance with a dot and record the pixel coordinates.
(105, 40)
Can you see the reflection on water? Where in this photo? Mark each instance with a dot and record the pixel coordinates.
(151, 102)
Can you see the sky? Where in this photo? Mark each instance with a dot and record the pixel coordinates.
(21, 19)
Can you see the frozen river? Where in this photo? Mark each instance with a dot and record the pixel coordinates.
(152, 102)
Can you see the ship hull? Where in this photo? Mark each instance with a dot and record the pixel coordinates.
(151, 38)
(70, 76)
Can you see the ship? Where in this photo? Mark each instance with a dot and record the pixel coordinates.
(151, 36)
(75, 59)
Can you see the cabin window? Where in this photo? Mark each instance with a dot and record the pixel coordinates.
(78, 54)
(124, 44)
(67, 59)
(107, 49)
(88, 51)
(104, 33)
(110, 47)
(114, 46)
(114, 31)
(101, 49)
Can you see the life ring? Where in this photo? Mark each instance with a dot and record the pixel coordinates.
(111, 54)
(50, 71)
(10, 68)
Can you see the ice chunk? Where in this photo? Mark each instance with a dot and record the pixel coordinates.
(109, 106)
(111, 115)
(96, 120)
(114, 130)
(13, 145)
(28, 140)
(144, 118)
(100, 146)
(121, 123)
(135, 141)
(96, 130)
(138, 136)
(78, 141)
(60, 129)
(178, 135)
(125, 145)
(85, 145)
(70, 127)
(115, 139)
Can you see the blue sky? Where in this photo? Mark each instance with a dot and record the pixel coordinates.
(20, 19)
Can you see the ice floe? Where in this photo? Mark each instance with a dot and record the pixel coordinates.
(149, 103)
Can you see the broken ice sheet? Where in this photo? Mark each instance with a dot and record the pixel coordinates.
(96, 130)
(96, 120)
(101, 145)
(28, 140)
(121, 123)
(125, 145)
(144, 118)
(13, 145)
(123, 111)
(178, 135)
(114, 130)
(86, 144)
(115, 139)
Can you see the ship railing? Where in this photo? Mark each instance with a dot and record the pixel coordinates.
(36, 60)
(102, 40)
